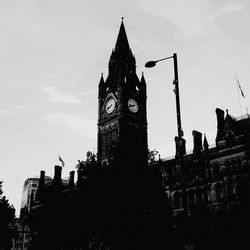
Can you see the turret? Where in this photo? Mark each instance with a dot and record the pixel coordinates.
(41, 180)
(122, 61)
(101, 86)
(143, 84)
(40, 186)
(57, 181)
(197, 138)
(122, 118)
(205, 144)
(230, 129)
(182, 146)
(220, 125)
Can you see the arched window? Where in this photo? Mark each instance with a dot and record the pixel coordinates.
(233, 166)
(216, 170)
(177, 200)
(205, 194)
(238, 165)
(218, 190)
(191, 200)
(222, 170)
(230, 186)
(199, 199)
(227, 167)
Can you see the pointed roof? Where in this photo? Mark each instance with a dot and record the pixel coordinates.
(143, 79)
(101, 80)
(205, 143)
(229, 117)
(122, 44)
(230, 122)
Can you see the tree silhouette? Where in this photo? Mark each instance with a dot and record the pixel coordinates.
(7, 215)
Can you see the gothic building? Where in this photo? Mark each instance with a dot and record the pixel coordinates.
(118, 202)
(214, 189)
(122, 202)
(122, 121)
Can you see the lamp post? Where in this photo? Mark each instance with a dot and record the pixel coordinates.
(180, 148)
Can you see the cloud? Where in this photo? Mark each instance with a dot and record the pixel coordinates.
(55, 95)
(229, 7)
(84, 126)
(88, 92)
(191, 18)
(22, 107)
(3, 112)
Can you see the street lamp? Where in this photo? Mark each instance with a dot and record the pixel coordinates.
(180, 146)
(151, 64)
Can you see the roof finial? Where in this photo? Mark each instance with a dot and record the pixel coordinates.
(205, 143)
(122, 18)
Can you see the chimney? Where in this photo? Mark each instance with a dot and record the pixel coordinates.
(40, 185)
(57, 175)
(197, 136)
(71, 179)
(182, 146)
(41, 180)
(220, 125)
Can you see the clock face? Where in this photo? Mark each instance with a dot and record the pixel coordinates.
(110, 105)
(132, 105)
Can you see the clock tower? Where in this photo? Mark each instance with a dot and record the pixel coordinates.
(122, 119)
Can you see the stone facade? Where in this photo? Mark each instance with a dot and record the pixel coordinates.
(215, 182)
(122, 116)
(121, 202)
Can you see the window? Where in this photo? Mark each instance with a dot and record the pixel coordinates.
(216, 171)
(199, 196)
(114, 137)
(219, 193)
(109, 143)
(205, 195)
(191, 199)
(104, 144)
(177, 200)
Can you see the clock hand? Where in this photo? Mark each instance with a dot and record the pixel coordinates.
(108, 107)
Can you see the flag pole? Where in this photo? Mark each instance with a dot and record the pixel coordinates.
(238, 91)
(241, 91)
(61, 160)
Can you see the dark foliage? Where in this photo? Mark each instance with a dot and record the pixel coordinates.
(111, 209)
(7, 215)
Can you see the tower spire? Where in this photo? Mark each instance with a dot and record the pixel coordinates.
(122, 44)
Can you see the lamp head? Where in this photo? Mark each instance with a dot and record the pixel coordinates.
(150, 64)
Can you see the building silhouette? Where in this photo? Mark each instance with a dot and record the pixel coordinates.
(30, 188)
(117, 202)
(122, 120)
(21, 239)
(122, 201)
(213, 192)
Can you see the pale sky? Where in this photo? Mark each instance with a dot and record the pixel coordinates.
(52, 54)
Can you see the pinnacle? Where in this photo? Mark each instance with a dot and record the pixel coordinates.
(122, 44)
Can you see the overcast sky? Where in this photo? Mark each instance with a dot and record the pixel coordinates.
(52, 54)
